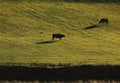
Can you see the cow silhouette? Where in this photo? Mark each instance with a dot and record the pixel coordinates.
(103, 20)
(60, 36)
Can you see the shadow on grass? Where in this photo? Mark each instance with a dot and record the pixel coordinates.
(91, 26)
(66, 74)
(46, 42)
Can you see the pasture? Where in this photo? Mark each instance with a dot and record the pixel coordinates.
(26, 29)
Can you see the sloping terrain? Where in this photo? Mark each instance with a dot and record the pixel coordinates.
(26, 29)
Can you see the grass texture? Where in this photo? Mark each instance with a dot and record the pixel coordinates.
(26, 29)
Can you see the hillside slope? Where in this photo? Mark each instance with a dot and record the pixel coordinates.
(26, 28)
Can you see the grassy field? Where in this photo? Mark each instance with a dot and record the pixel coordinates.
(26, 28)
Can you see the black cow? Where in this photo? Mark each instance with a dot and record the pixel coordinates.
(103, 20)
(60, 36)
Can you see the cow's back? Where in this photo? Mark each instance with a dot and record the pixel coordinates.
(103, 20)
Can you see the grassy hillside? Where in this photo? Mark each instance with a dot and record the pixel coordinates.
(26, 28)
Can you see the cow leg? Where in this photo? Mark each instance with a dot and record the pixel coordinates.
(52, 38)
(60, 38)
(107, 22)
(99, 22)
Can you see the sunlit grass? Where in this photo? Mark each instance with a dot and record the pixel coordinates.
(24, 25)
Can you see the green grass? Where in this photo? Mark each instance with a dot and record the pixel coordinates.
(25, 26)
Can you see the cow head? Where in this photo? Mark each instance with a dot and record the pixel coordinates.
(63, 35)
